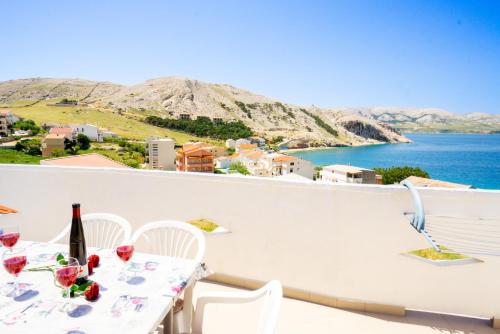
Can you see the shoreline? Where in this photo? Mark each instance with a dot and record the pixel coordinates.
(320, 148)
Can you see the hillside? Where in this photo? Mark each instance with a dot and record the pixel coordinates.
(430, 119)
(173, 96)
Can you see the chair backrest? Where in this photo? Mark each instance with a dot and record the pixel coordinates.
(172, 238)
(271, 293)
(103, 230)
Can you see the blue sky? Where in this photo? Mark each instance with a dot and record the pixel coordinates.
(406, 53)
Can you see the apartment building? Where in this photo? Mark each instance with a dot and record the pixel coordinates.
(217, 151)
(51, 142)
(195, 159)
(160, 153)
(348, 174)
(4, 127)
(280, 164)
(6, 118)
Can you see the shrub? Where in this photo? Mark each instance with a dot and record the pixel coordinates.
(321, 123)
(397, 174)
(83, 141)
(240, 168)
(27, 125)
(58, 153)
(29, 146)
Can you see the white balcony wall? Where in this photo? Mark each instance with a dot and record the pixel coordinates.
(338, 240)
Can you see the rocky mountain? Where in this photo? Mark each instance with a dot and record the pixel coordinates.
(180, 97)
(430, 119)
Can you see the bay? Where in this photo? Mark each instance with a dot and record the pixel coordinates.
(463, 158)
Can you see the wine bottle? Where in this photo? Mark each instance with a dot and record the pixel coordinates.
(77, 247)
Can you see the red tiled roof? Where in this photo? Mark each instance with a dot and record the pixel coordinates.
(284, 158)
(423, 182)
(61, 131)
(84, 160)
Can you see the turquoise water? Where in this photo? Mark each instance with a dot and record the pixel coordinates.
(462, 158)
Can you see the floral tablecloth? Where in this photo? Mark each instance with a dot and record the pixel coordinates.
(135, 306)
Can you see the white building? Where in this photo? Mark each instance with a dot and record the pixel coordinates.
(9, 116)
(281, 164)
(91, 131)
(160, 153)
(347, 174)
(241, 141)
(230, 143)
(223, 162)
(108, 134)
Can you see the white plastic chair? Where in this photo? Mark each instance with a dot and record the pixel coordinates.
(272, 292)
(172, 238)
(102, 230)
(175, 239)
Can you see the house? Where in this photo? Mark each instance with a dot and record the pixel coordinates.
(245, 147)
(185, 116)
(431, 183)
(51, 142)
(91, 131)
(231, 143)
(260, 142)
(84, 160)
(223, 162)
(4, 127)
(217, 151)
(241, 141)
(65, 131)
(281, 164)
(9, 116)
(193, 158)
(160, 153)
(108, 134)
(348, 174)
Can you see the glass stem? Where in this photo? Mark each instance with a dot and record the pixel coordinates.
(16, 285)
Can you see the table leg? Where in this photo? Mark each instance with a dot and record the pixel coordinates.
(168, 322)
(188, 308)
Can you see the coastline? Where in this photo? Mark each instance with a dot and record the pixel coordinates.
(325, 148)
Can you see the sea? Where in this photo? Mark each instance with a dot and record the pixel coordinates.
(462, 158)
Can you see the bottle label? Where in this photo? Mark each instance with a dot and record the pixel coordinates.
(84, 272)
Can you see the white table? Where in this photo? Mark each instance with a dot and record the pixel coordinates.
(156, 282)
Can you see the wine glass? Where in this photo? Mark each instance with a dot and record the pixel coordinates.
(14, 260)
(66, 273)
(124, 253)
(10, 235)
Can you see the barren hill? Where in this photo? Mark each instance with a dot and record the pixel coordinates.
(174, 96)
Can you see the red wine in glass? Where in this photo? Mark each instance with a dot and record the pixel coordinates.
(14, 265)
(67, 276)
(125, 252)
(9, 240)
(14, 260)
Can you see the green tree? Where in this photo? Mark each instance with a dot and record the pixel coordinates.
(29, 146)
(27, 125)
(83, 141)
(239, 167)
(58, 153)
(397, 174)
(71, 146)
